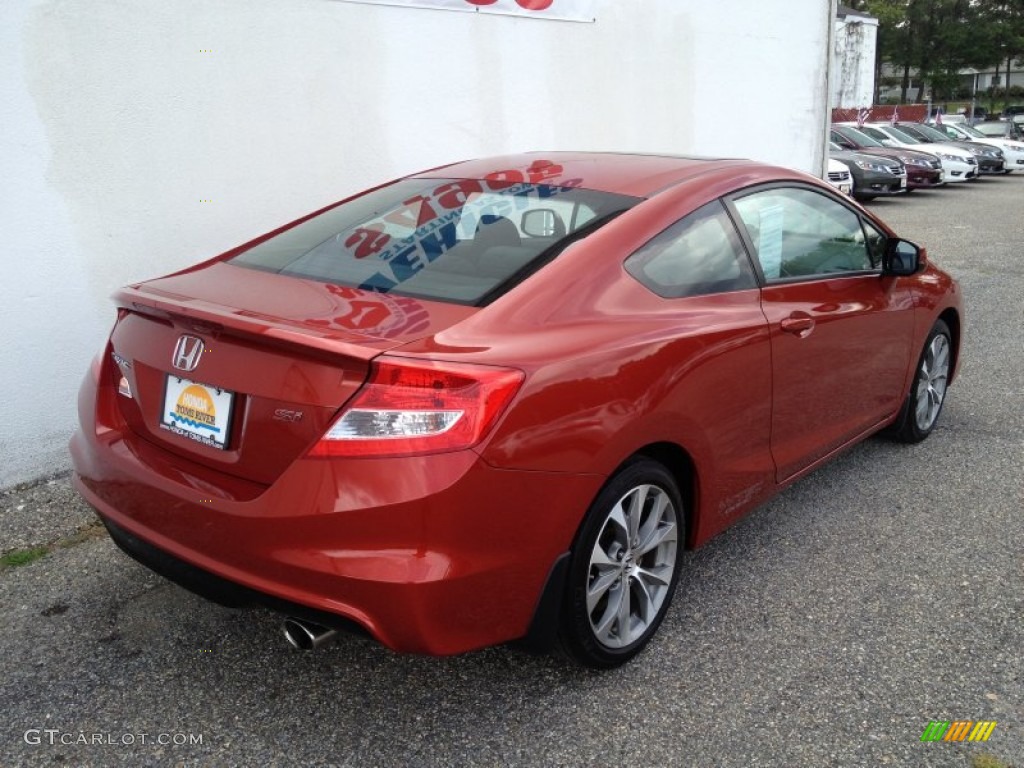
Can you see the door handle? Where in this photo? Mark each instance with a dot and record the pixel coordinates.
(798, 323)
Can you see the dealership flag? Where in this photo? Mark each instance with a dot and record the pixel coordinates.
(556, 10)
(938, 118)
(862, 116)
(895, 115)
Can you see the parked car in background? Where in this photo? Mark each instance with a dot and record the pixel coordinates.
(840, 176)
(957, 164)
(873, 176)
(496, 400)
(1013, 151)
(923, 169)
(1001, 129)
(990, 159)
(1012, 112)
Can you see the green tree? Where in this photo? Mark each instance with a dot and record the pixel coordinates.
(937, 39)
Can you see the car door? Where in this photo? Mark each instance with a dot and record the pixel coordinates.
(840, 331)
(714, 374)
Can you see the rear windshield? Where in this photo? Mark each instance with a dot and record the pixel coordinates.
(456, 240)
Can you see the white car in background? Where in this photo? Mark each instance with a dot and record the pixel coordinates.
(1013, 151)
(957, 164)
(839, 176)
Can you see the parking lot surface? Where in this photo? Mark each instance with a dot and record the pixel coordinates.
(829, 628)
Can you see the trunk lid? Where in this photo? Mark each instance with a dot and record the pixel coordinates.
(244, 370)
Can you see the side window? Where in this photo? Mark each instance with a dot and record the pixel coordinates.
(697, 255)
(797, 232)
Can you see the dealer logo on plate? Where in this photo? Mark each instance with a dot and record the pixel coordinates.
(195, 409)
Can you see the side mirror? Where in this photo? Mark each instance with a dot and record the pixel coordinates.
(543, 222)
(903, 258)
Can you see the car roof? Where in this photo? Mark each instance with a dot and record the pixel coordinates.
(638, 175)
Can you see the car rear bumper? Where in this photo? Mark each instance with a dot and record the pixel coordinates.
(434, 561)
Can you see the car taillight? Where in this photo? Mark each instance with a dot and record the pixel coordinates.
(410, 407)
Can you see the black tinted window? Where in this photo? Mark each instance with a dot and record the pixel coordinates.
(456, 240)
(697, 255)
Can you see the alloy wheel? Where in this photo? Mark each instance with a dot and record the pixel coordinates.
(632, 566)
(932, 377)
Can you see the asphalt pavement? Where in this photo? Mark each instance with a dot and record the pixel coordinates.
(828, 628)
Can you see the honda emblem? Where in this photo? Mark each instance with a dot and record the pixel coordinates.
(187, 353)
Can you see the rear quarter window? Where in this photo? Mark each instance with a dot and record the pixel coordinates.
(699, 254)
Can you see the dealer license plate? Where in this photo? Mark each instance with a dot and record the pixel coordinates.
(197, 411)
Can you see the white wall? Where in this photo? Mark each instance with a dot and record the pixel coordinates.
(853, 71)
(116, 125)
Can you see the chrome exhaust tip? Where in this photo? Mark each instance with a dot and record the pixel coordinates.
(305, 635)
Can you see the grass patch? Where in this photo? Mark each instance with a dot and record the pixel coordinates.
(22, 557)
(988, 761)
(94, 530)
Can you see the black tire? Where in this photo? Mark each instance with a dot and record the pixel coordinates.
(627, 569)
(924, 401)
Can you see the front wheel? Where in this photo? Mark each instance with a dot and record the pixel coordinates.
(928, 390)
(624, 567)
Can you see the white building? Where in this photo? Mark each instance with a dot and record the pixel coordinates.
(853, 73)
(140, 136)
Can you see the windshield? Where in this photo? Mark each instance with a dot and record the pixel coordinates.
(911, 130)
(970, 131)
(929, 133)
(903, 136)
(860, 138)
(457, 240)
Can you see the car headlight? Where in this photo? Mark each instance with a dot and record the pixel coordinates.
(913, 161)
(869, 166)
(986, 151)
(951, 158)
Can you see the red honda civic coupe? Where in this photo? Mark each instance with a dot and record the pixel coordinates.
(494, 401)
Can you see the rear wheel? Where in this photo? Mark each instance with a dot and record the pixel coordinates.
(928, 390)
(624, 567)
